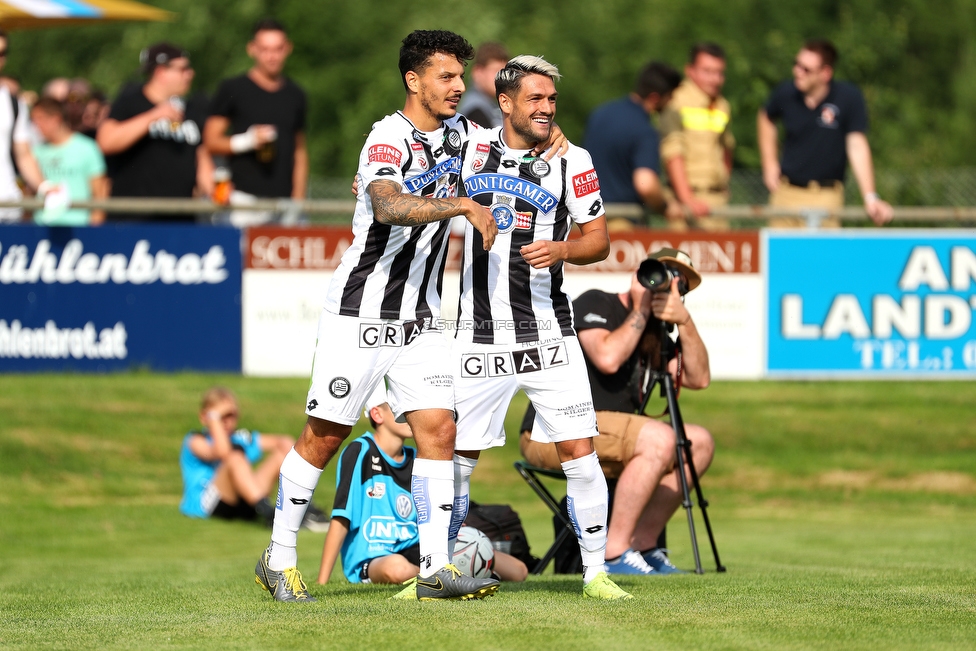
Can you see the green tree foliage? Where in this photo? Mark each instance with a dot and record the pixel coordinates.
(915, 60)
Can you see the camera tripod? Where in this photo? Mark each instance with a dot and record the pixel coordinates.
(682, 451)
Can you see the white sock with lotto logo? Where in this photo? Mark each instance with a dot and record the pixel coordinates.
(296, 483)
(463, 467)
(432, 486)
(586, 501)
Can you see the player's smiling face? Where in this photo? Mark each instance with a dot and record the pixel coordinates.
(529, 115)
(440, 86)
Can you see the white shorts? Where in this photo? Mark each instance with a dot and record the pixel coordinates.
(352, 355)
(552, 374)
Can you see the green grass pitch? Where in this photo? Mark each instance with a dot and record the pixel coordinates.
(844, 512)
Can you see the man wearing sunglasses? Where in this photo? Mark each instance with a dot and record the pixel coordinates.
(152, 137)
(620, 337)
(826, 124)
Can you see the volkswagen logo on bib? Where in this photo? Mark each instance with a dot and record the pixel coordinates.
(504, 217)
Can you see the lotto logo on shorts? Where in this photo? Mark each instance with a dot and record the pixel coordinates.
(385, 154)
(585, 183)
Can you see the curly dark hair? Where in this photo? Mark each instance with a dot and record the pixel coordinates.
(421, 44)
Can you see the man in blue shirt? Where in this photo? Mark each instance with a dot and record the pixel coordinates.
(625, 146)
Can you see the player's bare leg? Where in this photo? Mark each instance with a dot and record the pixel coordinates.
(277, 570)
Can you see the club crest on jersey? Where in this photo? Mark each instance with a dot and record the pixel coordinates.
(504, 216)
(452, 142)
(339, 387)
(384, 154)
(585, 183)
(480, 157)
(536, 195)
(539, 168)
(377, 490)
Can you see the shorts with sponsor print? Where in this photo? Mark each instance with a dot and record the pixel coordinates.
(552, 374)
(352, 355)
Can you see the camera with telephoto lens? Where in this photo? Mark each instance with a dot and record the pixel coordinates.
(657, 276)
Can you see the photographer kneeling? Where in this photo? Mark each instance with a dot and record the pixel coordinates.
(621, 339)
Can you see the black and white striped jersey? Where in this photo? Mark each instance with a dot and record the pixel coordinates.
(503, 299)
(396, 272)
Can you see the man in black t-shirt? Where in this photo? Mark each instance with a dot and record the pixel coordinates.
(151, 138)
(258, 121)
(825, 123)
(620, 337)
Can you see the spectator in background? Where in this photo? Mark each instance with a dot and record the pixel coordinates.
(258, 120)
(696, 141)
(478, 102)
(70, 162)
(15, 146)
(96, 110)
(216, 464)
(151, 138)
(56, 88)
(826, 124)
(625, 146)
(79, 90)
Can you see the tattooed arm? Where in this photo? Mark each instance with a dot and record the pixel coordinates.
(393, 206)
(608, 350)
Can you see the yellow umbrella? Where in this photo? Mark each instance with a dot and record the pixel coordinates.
(31, 14)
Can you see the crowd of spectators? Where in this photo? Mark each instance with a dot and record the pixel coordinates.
(155, 139)
(666, 146)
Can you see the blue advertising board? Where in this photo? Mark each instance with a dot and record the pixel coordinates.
(892, 303)
(164, 297)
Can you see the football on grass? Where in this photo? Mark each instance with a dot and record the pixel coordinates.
(473, 553)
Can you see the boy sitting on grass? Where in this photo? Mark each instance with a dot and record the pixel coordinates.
(374, 522)
(217, 465)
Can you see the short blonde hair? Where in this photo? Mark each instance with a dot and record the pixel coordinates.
(510, 77)
(216, 394)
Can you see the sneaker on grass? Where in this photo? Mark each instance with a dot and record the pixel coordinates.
(658, 559)
(601, 587)
(286, 585)
(449, 583)
(409, 591)
(315, 519)
(630, 562)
